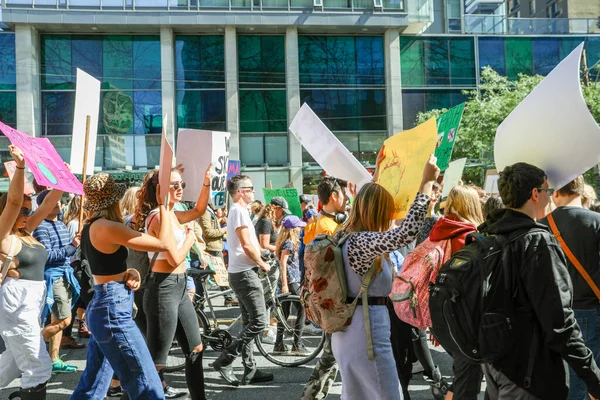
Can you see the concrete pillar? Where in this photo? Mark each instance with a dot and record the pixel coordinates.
(292, 72)
(232, 92)
(393, 81)
(29, 101)
(167, 64)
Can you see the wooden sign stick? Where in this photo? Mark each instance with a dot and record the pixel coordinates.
(85, 156)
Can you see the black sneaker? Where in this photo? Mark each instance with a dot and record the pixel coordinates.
(171, 393)
(226, 372)
(114, 391)
(256, 376)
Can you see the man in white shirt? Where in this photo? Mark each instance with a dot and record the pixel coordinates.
(244, 263)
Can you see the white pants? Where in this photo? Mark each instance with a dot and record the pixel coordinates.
(25, 355)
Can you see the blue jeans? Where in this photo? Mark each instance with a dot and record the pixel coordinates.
(116, 344)
(589, 322)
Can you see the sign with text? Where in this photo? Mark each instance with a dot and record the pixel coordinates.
(448, 125)
(43, 160)
(11, 168)
(87, 102)
(196, 149)
(405, 156)
(233, 169)
(289, 194)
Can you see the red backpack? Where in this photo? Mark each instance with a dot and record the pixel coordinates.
(410, 290)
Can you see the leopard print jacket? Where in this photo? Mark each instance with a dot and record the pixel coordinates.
(364, 247)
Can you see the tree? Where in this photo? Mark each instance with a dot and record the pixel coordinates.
(486, 109)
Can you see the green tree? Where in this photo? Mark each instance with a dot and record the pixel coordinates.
(487, 108)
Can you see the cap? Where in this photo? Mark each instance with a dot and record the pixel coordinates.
(280, 202)
(291, 221)
(311, 213)
(305, 199)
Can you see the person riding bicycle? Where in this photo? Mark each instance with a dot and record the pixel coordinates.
(244, 263)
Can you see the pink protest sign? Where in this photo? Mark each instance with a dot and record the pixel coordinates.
(11, 168)
(43, 161)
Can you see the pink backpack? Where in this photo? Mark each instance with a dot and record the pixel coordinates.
(410, 290)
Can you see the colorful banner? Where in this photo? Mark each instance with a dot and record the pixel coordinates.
(405, 156)
(195, 150)
(233, 169)
(43, 161)
(453, 175)
(290, 195)
(11, 168)
(448, 125)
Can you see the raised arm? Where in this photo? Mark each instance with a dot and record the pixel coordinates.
(186, 216)
(14, 200)
(43, 210)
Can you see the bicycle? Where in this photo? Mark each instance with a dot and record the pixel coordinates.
(217, 337)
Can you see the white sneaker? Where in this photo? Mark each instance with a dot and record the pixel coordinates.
(313, 329)
(268, 338)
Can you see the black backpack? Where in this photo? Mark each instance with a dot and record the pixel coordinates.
(471, 302)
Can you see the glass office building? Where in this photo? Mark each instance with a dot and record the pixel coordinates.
(246, 67)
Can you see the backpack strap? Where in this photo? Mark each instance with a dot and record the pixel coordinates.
(572, 257)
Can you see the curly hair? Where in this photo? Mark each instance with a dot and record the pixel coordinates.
(146, 199)
(268, 212)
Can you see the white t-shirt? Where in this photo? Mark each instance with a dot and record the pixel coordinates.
(238, 260)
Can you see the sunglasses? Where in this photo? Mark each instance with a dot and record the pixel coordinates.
(26, 212)
(251, 188)
(548, 190)
(178, 185)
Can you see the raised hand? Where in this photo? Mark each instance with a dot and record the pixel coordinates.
(17, 155)
(431, 170)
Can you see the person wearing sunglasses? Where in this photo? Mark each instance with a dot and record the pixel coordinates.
(169, 311)
(22, 293)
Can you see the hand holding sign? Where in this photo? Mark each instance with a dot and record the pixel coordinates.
(17, 155)
(208, 175)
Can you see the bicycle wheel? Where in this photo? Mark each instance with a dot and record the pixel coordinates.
(286, 356)
(176, 358)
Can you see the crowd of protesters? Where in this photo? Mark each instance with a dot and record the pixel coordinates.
(123, 276)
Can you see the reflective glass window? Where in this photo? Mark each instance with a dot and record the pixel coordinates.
(546, 55)
(199, 61)
(261, 61)
(492, 53)
(201, 109)
(415, 101)
(263, 111)
(8, 77)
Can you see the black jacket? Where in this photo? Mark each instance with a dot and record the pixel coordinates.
(546, 326)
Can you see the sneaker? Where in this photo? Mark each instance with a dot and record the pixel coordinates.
(172, 393)
(60, 367)
(232, 303)
(114, 391)
(268, 338)
(83, 331)
(67, 342)
(280, 348)
(300, 349)
(313, 330)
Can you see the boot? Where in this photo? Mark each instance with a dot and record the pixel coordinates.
(36, 393)
(194, 376)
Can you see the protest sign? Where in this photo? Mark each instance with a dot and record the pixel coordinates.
(289, 194)
(11, 167)
(552, 128)
(87, 103)
(233, 169)
(326, 149)
(405, 156)
(491, 181)
(196, 149)
(43, 160)
(166, 163)
(448, 125)
(453, 175)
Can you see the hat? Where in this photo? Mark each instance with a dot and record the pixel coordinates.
(311, 213)
(280, 201)
(40, 197)
(101, 191)
(305, 199)
(291, 221)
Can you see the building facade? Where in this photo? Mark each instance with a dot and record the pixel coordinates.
(246, 67)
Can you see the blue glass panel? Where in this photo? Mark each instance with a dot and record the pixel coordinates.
(56, 62)
(146, 62)
(492, 53)
(341, 60)
(86, 54)
(370, 60)
(118, 62)
(312, 53)
(8, 76)
(200, 62)
(415, 101)
(546, 55)
(147, 112)
(201, 109)
(57, 113)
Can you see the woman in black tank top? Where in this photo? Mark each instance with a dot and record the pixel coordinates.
(22, 293)
(115, 337)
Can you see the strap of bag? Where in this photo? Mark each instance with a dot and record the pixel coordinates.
(366, 281)
(9, 258)
(572, 257)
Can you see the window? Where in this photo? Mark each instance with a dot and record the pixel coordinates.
(415, 101)
(8, 85)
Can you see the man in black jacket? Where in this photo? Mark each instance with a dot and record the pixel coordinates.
(542, 294)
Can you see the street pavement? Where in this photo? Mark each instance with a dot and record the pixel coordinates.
(288, 383)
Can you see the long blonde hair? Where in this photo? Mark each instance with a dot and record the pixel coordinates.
(22, 234)
(372, 211)
(72, 212)
(129, 201)
(463, 203)
(293, 234)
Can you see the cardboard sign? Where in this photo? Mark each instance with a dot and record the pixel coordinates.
(448, 125)
(166, 163)
(196, 149)
(11, 168)
(453, 175)
(290, 195)
(43, 161)
(87, 102)
(552, 128)
(326, 149)
(491, 181)
(405, 156)
(233, 169)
